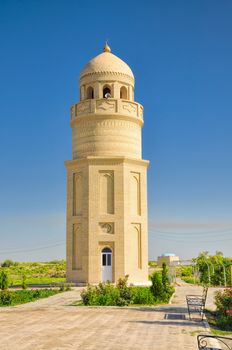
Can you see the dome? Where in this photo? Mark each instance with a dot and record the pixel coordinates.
(106, 62)
(168, 254)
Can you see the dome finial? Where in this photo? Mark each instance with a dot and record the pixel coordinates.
(106, 47)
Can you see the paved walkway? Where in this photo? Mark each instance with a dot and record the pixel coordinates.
(52, 324)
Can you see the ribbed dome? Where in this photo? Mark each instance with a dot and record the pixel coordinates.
(106, 62)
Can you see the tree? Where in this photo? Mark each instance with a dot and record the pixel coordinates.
(165, 278)
(7, 263)
(218, 253)
(4, 281)
(24, 283)
(214, 269)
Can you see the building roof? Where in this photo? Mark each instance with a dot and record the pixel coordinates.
(168, 254)
(106, 62)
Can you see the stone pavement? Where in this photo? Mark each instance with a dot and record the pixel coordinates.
(53, 324)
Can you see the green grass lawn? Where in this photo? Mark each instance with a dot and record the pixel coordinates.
(36, 272)
(36, 280)
(12, 298)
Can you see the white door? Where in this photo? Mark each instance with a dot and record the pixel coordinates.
(106, 264)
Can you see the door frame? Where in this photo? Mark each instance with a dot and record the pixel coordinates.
(108, 252)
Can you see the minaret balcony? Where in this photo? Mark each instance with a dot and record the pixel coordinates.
(108, 106)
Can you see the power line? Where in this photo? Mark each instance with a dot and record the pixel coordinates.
(183, 240)
(212, 236)
(32, 249)
(224, 231)
(51, 241)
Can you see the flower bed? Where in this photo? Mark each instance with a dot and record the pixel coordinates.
(223, 301)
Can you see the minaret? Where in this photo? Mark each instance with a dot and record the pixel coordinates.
(107, 178)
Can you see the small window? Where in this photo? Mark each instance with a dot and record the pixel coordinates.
(90, 93)
(106, 92)
(123, 93)
(108, 259)
(104, 259)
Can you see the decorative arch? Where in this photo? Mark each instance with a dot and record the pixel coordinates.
(77, 193)
(76, 247)
(106, 193)
(90, 93)
(136, 242)
(135, 194)
(106, 90)
(123, 93)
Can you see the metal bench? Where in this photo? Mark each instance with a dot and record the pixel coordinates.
(196, 303)
(213, 342)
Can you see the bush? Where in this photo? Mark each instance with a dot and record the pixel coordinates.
(165, 279)
(4, 281)
(125, 293)
(103, 294)
(7, 263)
(122, 295)
(89, 296)
(191, 280)
(24, 283)
(157, 287)
(223, 301)
(161, 287)
(109, 295)
(142, 295)
(184, 271)
(5, 298)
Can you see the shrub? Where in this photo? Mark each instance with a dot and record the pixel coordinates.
(7, 263)
(109, 295)
(186, 271)
(103, 294)
(157, 287)
(89, 296)
(68, 287)
(142, 295)
(62, 288)
(124, 292)
(24, 284)
(5, 298)
(165, 279)
(223, 301)
(161, 287)
(122, 295)
(188, 279)
(4, 281)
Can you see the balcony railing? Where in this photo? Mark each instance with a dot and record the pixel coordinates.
(107, 106)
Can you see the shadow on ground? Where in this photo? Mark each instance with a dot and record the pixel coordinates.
(170, 323)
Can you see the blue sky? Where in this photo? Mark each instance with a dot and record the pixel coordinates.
(180, 53)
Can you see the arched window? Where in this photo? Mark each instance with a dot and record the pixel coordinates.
(106, 250)
(106, 92)
(90, 93)
(123, 92)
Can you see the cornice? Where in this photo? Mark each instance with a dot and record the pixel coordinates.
(93, 117)
(97, 74)
(71, 164)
